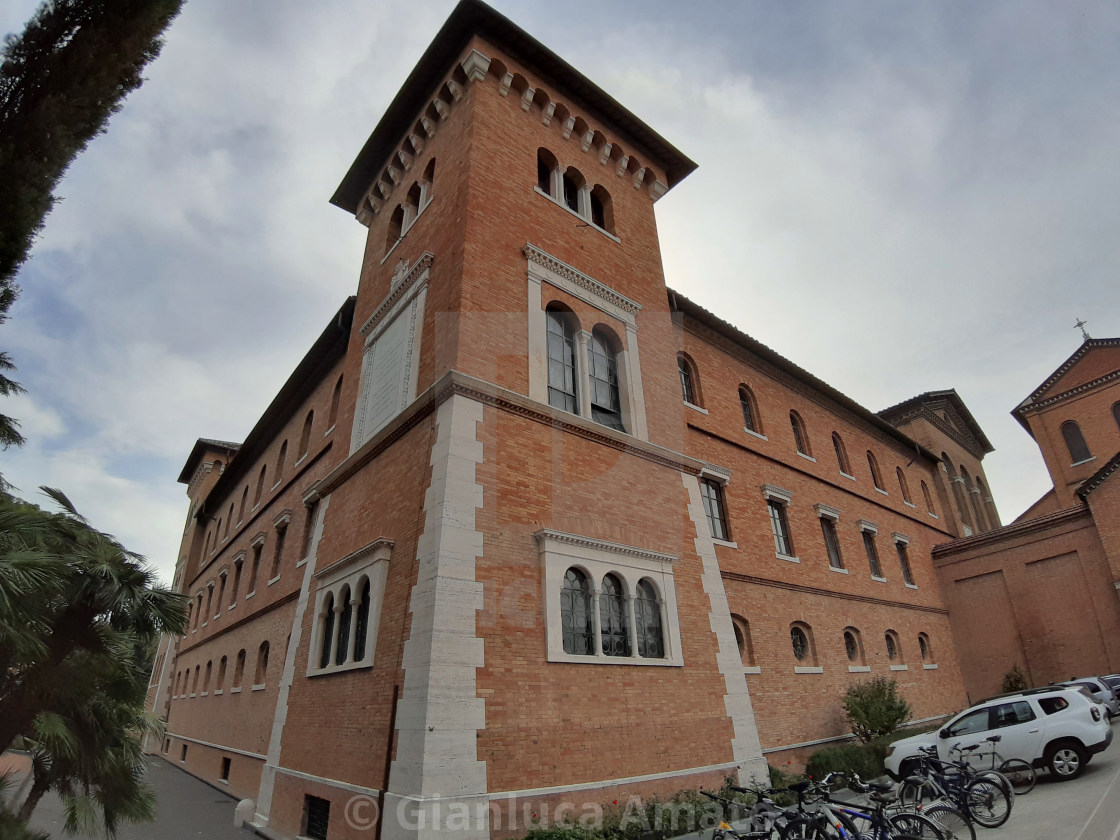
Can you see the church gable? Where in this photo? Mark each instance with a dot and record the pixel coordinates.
(1096, 359)
(945, 411)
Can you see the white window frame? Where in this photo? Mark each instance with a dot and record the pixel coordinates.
(370, 562)
(543, 268)
(783, 497)
(596, 558)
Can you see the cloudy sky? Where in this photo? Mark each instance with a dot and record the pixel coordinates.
(900, 197)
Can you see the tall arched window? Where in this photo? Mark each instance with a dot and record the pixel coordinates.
(903, 485)
(206, 679)
(396, 227)
(1075, 442)
(602, 210)
(841, 454)
(221, 675)
(562, 361)
(260, 485)
(928, 498)
(1116, 413)
(800, 435)
(690, 385)
(752, 422)
(305, 435)
(229, 518)
(743, 639)
(239, 669)
(647, 620)
(876, 476)
(328, 632)
(612, 618)
(343, 640)
(606, 407)
(362, 625)
(262, 663)
(546, 166)
(244, 501)
(332, 417)
(575, 613)
(574, 184)
(280, 459)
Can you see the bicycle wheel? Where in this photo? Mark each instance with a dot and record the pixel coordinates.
(953, 823)
(988, 804)
(1020, 774)
(1001, 780)
(915, 825)
(799, 828)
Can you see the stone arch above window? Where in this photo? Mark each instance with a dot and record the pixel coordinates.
(752, 419)
(800, 435)
(1075, 442)
(690, 380)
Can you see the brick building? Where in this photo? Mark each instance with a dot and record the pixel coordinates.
(525, 526)
(1043, 593)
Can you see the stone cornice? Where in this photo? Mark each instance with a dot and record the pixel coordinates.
(399, 292)
(829, 593)
(573, 275)
(1030, 408)
(547, 535)
(1066, 366)
(967, 442)
(1012, 531)
(487, 393)
(1099, 477)
(381, 544)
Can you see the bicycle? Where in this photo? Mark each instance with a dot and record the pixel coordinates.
(1018, 772)
(954, 823)
(763, 821)
(981, 799)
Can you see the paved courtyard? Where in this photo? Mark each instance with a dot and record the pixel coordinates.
(188, 810)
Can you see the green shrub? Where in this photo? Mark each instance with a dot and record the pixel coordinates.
(846, 758)
(874, 708)
(1014, 680)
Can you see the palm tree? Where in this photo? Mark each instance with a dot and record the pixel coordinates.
(66, 589)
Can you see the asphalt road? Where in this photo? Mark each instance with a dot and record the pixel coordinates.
(188, 809)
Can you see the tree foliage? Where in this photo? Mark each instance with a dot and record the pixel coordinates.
(78, 616)
(875, 708)
(60, 82)
(1014, 680)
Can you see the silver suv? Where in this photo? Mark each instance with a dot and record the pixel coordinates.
(1057, 728)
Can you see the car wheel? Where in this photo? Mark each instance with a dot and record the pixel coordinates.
(1066, 760)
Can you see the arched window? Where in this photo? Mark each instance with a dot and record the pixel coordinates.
(427, 185)
(876, 476)
(305, 436)
(574, 184)
(229, 518)
(972, 495)
(546, 166)
(221, 592)
(221, 675)
(928, 499)
(260, 485)
(342, 642)
(209, 599)
(647, 621)
(396, 228)
(752, 422)
(800, 435)
(800, 636)
(194, 686)
(606, 407)
(561, 360)
(903, 485)
(239, 669)
(198, 610)
(244, 501)
(1075, 442)
(206, 548)
(602, 210)
(894, 647)
(262, 664)
(853, 645)
(362, 625)
(575, 613)
(841, 454)
(328, 632)
(1116, 413)
(743, 640)
(612, 618)
(206, 679)
(332, 417)
(900, 546)
(924, 647)
(690, 382)
(280, 459)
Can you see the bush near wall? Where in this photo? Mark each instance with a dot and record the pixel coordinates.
(866, 760)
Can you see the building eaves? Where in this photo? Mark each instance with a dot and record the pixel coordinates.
(950, 395)
(1007, 532)
(201, 446)
(1020, 411)
(328, 348)
(471, 18)
(678, 302)
(1099, 477)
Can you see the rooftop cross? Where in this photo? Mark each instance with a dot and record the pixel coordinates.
(1081, 325)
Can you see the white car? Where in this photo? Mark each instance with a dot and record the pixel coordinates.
(1056, 728)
